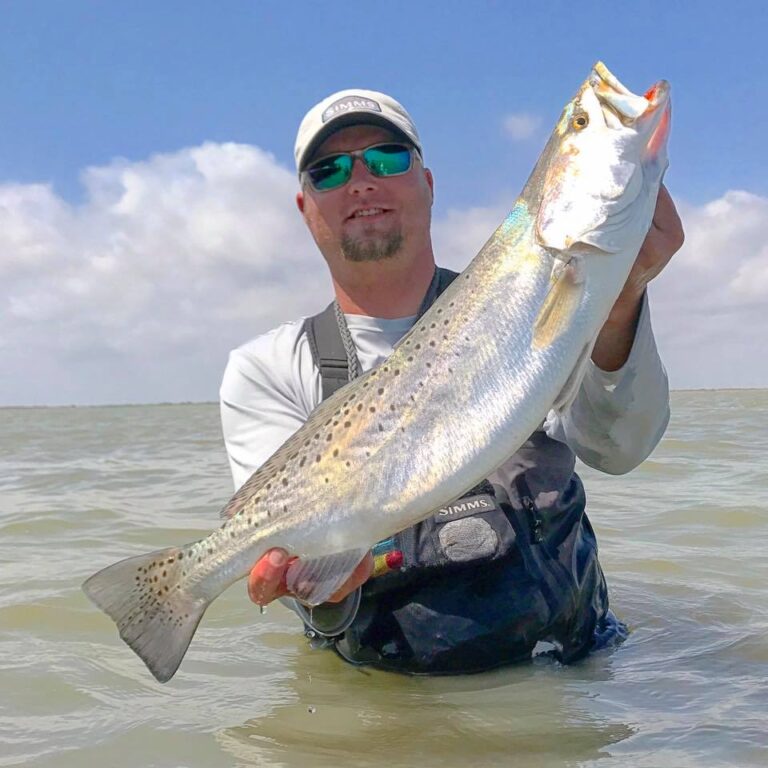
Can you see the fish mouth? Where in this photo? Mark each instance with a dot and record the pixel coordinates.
(648, 114)
(627, 106)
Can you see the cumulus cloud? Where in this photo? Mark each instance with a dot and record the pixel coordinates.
(138, 293)
(711, 303)
(520, 126)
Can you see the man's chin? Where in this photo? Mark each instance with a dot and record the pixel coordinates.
(371, 249)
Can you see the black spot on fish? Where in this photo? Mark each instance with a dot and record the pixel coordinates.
(285, 481)
(429, 365)
(326, 479)
(181, 555)
(303, 461)
(372, 409)
(329, 437)
(397, 371)
(317, 458)
(359, 406)
(381, 390)
(431, 343)
(347, 424)
(335, 453)
(418, 346)
(381, 428)
(392, 407)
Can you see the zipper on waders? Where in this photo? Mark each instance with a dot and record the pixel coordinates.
(533, 518)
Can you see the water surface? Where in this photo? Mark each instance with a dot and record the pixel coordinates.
(683, 542)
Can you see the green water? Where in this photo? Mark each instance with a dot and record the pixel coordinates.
(683, 542)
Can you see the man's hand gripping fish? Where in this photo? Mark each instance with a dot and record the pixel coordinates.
(462, 391)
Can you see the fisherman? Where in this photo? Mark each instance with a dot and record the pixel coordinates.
(510, 568)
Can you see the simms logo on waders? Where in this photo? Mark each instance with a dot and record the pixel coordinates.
(465, 508)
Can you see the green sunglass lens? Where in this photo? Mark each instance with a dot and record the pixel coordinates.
(331, 173)
(387, 159)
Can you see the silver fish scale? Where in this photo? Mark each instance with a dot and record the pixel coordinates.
(389, 446)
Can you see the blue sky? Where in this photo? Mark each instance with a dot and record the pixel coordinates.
(127, 89)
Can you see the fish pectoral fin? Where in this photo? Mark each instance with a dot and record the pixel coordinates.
(560, 303)
(314, 580)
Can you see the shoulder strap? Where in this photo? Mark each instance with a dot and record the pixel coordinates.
(327, 346)
(327, 349)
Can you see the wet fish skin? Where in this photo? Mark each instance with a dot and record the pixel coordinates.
(478, 373)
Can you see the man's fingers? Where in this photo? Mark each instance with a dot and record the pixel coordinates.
(266, 581)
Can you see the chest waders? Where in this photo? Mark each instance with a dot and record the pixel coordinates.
(480, 582)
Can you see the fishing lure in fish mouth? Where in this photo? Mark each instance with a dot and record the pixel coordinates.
(462, 391)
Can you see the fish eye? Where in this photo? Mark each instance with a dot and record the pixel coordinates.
(580, 121)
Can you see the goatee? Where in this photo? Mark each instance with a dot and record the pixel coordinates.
(374, 249)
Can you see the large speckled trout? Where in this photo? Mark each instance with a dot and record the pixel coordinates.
(462, 391)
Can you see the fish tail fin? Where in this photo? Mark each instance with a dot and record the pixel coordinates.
(155, 613)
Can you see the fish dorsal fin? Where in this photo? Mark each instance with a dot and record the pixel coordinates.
(560, 303)
(314, 580)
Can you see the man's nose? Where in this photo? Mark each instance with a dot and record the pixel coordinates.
(361, 180)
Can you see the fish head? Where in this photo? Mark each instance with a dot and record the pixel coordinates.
(599, 175)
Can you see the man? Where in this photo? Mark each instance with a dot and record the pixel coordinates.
(366, 197)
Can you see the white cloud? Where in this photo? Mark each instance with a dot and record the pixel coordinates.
(521, 125)
(139, 293)
(711, 303)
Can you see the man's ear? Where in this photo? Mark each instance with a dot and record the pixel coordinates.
(430, 182)
(300, 201)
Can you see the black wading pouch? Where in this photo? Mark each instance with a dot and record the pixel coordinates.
(467, 600)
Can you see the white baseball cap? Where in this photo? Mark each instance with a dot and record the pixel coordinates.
(351, 107)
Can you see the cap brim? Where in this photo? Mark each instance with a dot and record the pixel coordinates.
(344, 121)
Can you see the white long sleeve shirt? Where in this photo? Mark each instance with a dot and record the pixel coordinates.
(271, 386)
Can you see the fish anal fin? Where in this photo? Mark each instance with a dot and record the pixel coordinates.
(314, 580)
(560, 304)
